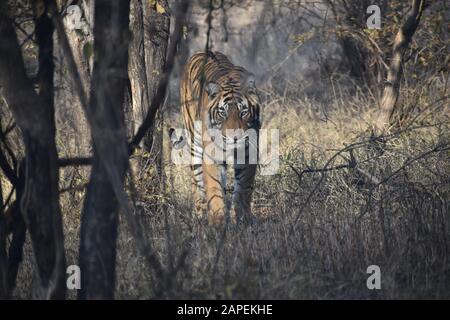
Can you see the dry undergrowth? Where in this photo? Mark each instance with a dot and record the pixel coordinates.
(383, 203)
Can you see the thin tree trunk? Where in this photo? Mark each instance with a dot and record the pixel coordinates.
(11, 225)
(156, 39)
(392, 87)
(150, 29)
(137, 68)
(3, 256)
(34, 114)
(17, 228)
(106, 119)
(81, 43)
(15, 251)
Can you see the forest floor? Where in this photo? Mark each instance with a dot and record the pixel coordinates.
(316, 231)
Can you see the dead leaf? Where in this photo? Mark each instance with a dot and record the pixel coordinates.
(159, 8)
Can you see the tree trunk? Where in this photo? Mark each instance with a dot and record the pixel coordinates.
(81, 43)
(11, 224)
(137, 68)
(106, 119)
(392, 87)
(156, 39)
(150, 28)
(34, 114)
(3, 256)
(16, 227)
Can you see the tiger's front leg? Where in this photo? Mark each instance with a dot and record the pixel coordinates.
(214, 177)
(198, 190)
(244, 177)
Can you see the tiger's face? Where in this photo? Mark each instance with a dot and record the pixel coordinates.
(233, 109)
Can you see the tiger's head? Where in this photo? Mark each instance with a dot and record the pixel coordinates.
(233, 108)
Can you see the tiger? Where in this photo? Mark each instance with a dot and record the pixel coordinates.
(221, 96)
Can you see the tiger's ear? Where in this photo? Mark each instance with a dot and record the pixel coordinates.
(212, 89)
(249, 82)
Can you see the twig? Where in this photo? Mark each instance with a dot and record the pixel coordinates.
(65, 162)
(80, 187)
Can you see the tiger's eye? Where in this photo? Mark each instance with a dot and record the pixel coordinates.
(222, 110)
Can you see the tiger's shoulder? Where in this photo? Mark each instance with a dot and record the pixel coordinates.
(213, 66)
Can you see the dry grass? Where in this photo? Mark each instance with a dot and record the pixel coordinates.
(314, 236)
